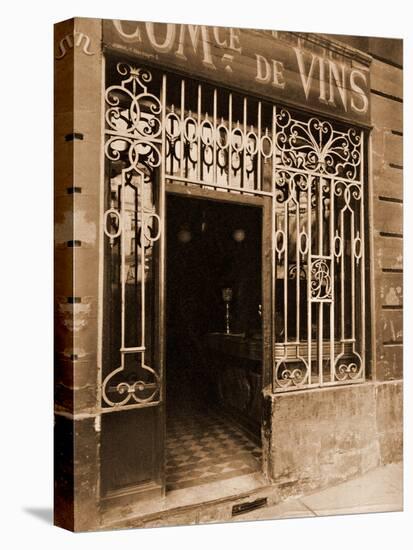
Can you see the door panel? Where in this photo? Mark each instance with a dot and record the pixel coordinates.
(132, 385)
(128, 449)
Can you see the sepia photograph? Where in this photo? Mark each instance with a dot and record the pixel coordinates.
(205, 275)
(228, 274)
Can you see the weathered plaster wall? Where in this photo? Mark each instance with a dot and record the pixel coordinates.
(389, 416)
(316, 438)
(386, 217)
(322, 437)
(78, 74)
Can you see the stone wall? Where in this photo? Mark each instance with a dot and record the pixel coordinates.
(386, 216)
(315, 437)
(325, 436)
(389, 416)
(77, 180)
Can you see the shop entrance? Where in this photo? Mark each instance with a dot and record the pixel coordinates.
(240, 202)
(214, 341)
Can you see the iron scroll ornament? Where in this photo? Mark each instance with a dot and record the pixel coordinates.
(312, 169)
(316, 146)
(133, 124)
(134, 148)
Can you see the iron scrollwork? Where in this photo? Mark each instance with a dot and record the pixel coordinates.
(291, 374)
(311, 169)
(314, 145)
(133, 121)
(134, 148)
(319, 248)
(348, 367)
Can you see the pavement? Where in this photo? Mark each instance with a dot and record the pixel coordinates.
(379, 490)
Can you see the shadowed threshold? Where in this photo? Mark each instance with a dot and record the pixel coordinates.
(203, 447)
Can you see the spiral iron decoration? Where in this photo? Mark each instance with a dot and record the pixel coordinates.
(134, 148)
(316, 146)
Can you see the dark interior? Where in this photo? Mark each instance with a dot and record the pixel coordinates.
(211, 245)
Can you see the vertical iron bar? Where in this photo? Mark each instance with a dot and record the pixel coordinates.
(162, 210)
(160, 309)
(320, 341)
(309, 302)
(122, 269)
(214, 138)
(274, 305)
(343, 335)
(332, 304)
(143, 228)
(352, 277)
(320, 334)
(199, 151)
(244, 145)
(320, 216)
(229, 139)
(181, 163)
(363, 261)
(297, 264)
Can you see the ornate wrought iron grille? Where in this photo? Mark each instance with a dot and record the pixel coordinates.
(163, 128)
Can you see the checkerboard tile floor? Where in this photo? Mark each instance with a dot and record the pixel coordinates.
(203, 447)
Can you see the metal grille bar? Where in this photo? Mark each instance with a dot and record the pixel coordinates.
(194, 134)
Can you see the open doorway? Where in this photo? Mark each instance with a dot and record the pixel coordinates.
(214, 340)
